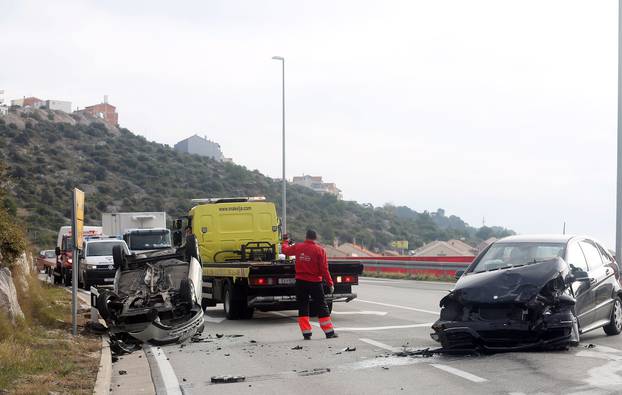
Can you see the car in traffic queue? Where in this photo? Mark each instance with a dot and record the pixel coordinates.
(532, 292)
(96, 266)
(46, 260)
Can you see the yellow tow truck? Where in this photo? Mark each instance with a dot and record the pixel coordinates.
(243, 268)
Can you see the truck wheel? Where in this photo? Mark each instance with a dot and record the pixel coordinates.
(247, 313)
(67, 278)
(230, 303)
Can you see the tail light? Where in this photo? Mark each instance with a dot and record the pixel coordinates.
(259, 281)
(348, 279)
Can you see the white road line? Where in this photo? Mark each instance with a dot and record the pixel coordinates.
(382, 328)
(380, 345)
(459, 373)
(213, 320)
(167, 374)
(397, 306)
(359, 329)
(359, 312)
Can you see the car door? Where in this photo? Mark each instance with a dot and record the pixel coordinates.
(600, 281)
(609, 284)
(581, 289)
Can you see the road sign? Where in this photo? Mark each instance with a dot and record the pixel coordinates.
(400, 244)
(78, 209)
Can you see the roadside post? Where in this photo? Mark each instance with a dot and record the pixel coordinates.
(77, 225)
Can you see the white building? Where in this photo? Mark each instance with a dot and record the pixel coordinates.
(316, 183)
(200, 146)
(58, 105)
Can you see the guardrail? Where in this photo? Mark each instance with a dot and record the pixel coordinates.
(431, 265)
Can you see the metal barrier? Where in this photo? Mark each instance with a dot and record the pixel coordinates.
(436, 266)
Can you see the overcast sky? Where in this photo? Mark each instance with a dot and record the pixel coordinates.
(503, 110)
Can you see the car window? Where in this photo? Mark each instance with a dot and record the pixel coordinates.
(511, 254)
(591, 255)
(575, 257)
(102, 249)
(607, 258)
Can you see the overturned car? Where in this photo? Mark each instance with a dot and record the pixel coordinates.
(156, 295)
(527, 292)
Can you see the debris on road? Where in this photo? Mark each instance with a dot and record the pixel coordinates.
(313, 372)
(122, 372)
(349, 349)
(590, 345)
(297, 348)
(219, 335)
(425, 352)
(227, 379)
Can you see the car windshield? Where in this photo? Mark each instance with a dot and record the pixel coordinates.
(102, 248)
(507, 255)
(50, 254)
(149, 240)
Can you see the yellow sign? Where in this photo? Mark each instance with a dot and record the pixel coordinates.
(78, 215)
(400, 244)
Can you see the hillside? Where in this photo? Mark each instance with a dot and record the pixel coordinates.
(48, 153)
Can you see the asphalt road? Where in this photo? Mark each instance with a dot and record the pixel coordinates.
(388, 315)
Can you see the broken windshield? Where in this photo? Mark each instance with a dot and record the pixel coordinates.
(507, 255)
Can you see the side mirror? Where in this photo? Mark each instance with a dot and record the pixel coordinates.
(581, 275)
(177, 238)
(57, 251)
(459, 274)
(177, 224)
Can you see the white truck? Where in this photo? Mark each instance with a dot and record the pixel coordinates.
(142, 231)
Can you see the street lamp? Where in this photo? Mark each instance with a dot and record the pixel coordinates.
(284, 229)
(619, 169)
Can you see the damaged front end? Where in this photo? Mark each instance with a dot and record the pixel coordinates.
(526, 307)
(156, 298)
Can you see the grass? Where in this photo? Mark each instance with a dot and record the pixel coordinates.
(39, 354)
(410, 276)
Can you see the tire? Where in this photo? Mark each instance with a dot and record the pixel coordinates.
(67, 278)
(86, 285)
(615, 325)
(186, 291)
(102, 304)
(191, 249)
(234, 305)
(247, 313)
(118, 258)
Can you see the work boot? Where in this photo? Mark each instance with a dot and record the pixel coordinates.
(307, 337)
(331, 335)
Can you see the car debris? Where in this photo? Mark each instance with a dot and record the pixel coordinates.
(297, 348)
(313, 372)
(122, 372)
(529, 292)
(227, 379)
(349, 349)
(156, 297)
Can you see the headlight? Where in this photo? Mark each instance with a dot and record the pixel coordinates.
(90, 267)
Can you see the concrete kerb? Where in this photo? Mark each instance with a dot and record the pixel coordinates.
(104, 375)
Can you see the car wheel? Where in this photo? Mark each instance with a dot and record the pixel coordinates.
(118, 257)
(102, 304)
(615, 325)
(186, 291)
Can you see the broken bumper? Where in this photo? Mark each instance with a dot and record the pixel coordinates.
(556, 331)
(159, 332)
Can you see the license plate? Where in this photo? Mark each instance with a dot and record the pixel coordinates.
(287, 281)
(109, 280)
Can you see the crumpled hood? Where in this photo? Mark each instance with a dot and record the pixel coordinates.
(514, 285)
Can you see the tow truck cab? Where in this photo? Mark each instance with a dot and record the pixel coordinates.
(243, 268)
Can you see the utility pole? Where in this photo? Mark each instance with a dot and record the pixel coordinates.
(284, 204)
(619, 159)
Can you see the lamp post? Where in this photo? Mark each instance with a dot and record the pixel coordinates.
(619, 158)
(284, 216)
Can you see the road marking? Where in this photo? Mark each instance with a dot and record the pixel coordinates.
(382, 328)
(459, 373)
(167, 374)
(398, 306)
(360, 312)
(380, 345)
(213, 320)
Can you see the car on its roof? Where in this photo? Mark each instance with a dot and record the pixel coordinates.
(538, 291)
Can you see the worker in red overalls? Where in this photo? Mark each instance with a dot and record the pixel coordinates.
(311, 268)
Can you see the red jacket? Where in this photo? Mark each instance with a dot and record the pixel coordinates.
(311, 262)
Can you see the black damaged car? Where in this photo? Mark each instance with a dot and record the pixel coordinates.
(532, 292)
